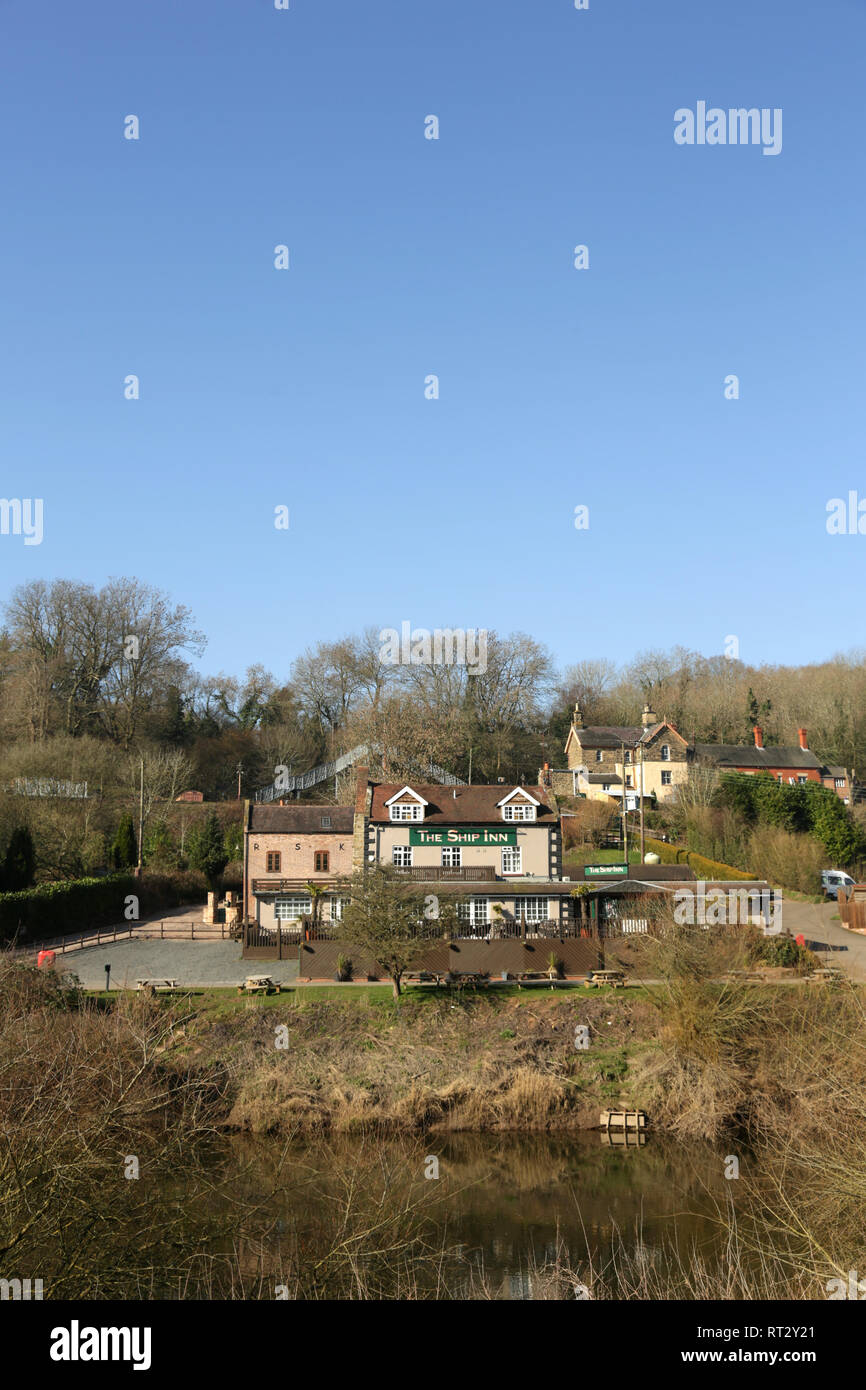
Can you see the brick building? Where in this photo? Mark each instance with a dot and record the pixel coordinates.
(497, 848)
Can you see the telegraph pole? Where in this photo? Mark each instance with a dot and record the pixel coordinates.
(642, 843)
(624, 808)
(140, 817)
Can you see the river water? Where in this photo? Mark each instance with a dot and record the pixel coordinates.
(507, 1205)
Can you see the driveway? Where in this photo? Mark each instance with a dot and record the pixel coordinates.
(827, 938)
(191, 963)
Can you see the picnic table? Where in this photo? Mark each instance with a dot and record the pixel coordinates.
(615, 978)
(259, 984)
(161, 986)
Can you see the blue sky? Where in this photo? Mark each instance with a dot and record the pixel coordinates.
(409, 257)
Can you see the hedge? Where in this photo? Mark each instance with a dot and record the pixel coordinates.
(58, 909)
(702, 868)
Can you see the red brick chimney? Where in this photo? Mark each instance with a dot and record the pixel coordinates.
(801, 733)
(362, 782)
(759, 736)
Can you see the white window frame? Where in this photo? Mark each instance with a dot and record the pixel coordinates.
(599, 755)
(403, 810)
(476, 911)
(667, 778)
(514, 852)
(452, 857)
(665, 752)
(336, 908)
(401, 856)
(540, 909)
(291, 907)
(521, 811)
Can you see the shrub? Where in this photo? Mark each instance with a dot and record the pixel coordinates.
(58, 909)
(703, 868)
(795, 861)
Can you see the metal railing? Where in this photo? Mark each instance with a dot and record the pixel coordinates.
(433, 873)
(325, 771)
(142, 931)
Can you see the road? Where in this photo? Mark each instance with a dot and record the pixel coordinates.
(829, 939)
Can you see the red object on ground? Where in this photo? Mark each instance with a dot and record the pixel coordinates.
(46, 958)
(800, 939)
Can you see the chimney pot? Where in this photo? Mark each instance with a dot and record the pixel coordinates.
(759, 736)
(803, 741)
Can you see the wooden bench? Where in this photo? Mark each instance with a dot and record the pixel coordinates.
(259, 984)
(467, 979)
(156, 986)
(614, 978)
(827, 975)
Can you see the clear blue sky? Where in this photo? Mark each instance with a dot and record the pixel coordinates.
(409, 257)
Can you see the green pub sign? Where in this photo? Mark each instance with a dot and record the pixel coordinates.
(465, 835)
(605, 870)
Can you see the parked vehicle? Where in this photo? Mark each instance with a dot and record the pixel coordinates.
(834, 879)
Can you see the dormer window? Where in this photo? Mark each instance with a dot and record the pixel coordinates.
(599, 755)
(518, 805)
(628, 755)
(406, 805)
(518, 811)
(665, 753)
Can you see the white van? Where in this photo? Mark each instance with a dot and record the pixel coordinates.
(834, 879)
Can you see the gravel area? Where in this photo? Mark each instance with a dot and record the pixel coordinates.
(192, 963)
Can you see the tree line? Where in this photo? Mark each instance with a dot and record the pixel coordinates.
(92, 681)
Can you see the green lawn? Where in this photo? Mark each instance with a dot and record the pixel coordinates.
(573, 860)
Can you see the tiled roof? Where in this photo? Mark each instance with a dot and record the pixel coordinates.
(461, 805)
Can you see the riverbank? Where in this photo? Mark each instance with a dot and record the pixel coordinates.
(277, 1125)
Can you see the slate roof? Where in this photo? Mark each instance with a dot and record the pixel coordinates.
(615, 735)
(301, 820)
(733, 755)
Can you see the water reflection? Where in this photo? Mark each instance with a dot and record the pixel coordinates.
(511, 1204)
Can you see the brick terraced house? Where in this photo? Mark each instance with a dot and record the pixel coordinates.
(285, 849)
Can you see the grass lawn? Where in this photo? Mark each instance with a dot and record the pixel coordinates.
(574, 859)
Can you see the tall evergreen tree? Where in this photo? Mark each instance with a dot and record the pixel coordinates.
(19, 864)
(124, 851)
(207, 851)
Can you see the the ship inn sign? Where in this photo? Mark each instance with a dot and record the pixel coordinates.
(466, 835)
